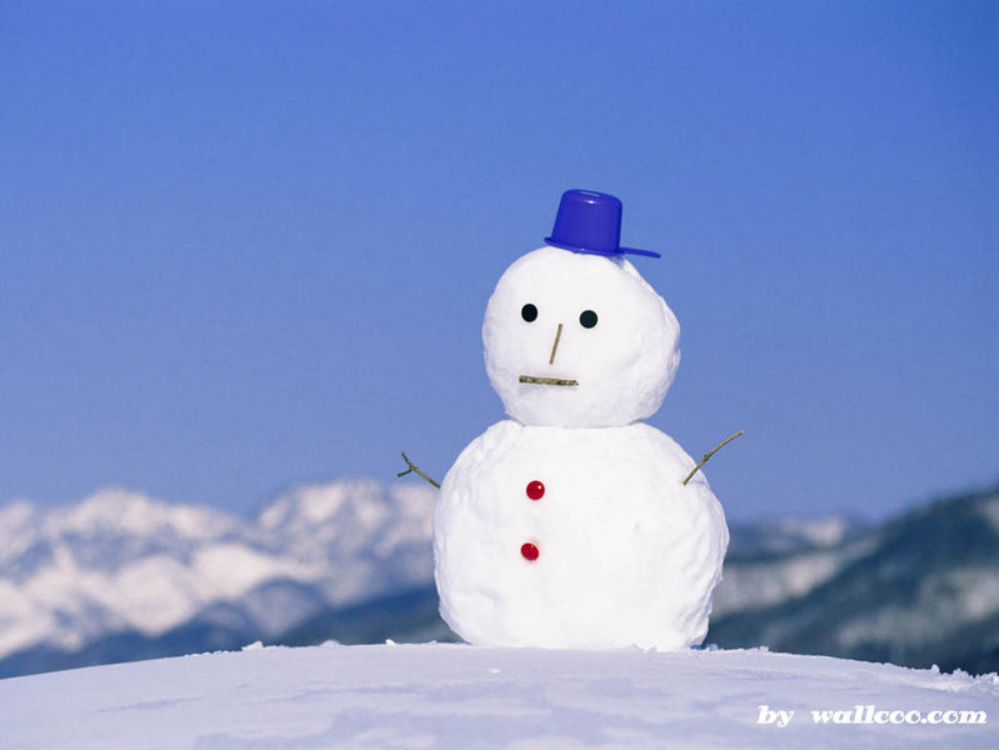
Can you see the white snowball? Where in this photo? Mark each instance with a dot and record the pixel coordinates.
(624, 364)
(627, 554)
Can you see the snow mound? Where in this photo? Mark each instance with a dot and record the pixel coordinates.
(444, 696)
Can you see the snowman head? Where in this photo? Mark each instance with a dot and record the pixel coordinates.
(578, 340)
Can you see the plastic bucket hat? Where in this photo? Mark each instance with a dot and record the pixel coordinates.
(590, 222)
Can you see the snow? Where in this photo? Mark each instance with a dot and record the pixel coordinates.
(459, 696)
(310, 505)
(122, 561)
(767, 582)
(628, 554)
(16, 520)
(624, 364)
(820, 532)
(942, 602)
(122, 511)
(990, 511)
(617, 549)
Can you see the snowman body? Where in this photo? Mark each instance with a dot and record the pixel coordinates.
(626, 554)
(569, 526)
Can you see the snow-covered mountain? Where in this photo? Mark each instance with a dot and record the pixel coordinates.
(122, 565)
(785, 536)
(120, 576)
(922, 589)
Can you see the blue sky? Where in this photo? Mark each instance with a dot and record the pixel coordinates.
(246, 245)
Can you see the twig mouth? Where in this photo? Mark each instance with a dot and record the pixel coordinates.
(546, 381)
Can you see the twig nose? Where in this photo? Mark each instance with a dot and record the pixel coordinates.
(558, 335)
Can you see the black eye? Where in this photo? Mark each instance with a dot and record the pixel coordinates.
(587, 319)
(529, 312)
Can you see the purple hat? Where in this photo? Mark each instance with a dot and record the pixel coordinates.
(590, 222)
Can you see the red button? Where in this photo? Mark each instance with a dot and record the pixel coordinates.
(529, 551)
(535, 490)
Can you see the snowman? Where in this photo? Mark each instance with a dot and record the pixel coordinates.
(571, 525)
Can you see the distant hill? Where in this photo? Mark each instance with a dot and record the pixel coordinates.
(120, 577)
(922, 589)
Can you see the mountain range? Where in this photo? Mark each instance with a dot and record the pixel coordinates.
(120, 576)
(919, 590)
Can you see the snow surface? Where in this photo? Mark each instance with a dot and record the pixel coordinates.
(460, 696)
